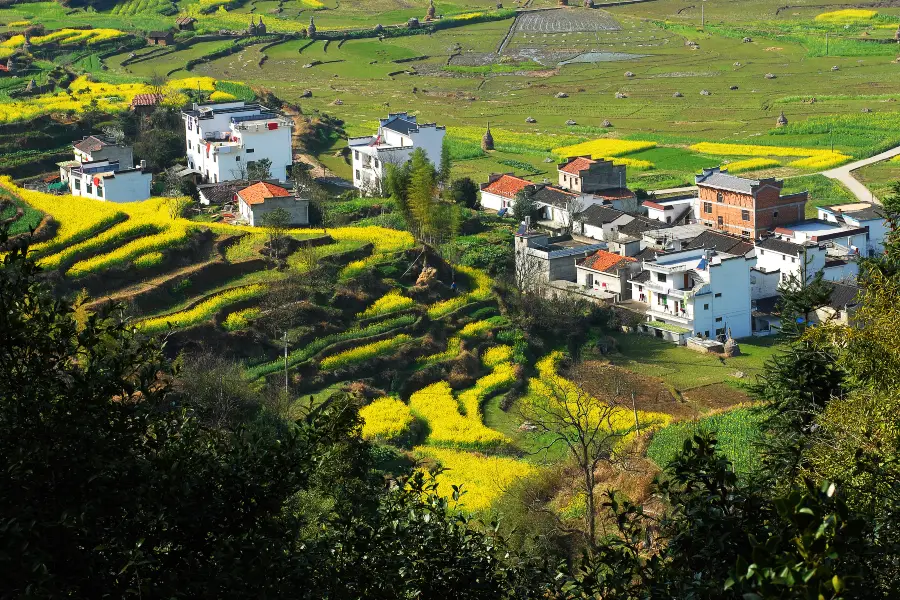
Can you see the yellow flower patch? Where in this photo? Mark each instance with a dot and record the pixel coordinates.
(751, 164)
(390, 302)
(364, 353)
(483, 478)
(386, 419)
(604, 147)
(436, 405)
(202, 311)
(849, 15)
(809, 158)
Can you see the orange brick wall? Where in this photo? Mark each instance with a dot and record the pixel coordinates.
(762, 213)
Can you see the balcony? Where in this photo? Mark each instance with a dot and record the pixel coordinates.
(668, 313)
(659, 288)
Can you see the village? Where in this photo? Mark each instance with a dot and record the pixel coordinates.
(699, 267)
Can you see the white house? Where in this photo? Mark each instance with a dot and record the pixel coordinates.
(541, 258)
(105, 180)
(224, 138)
(598, 221)
(675, 210)
(263, 197)
(858, 215)
(695, 292)
(500, 190)
(802, 261)
(97, 147)
(397, 136)
(607, 273)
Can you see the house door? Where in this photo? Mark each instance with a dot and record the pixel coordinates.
(590, 280)
(687, 281)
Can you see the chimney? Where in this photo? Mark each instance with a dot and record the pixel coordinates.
(143, 165)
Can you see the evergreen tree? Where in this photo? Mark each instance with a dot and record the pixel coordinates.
(444, 170)
(464, 192)
(523, 204)
(422, 194)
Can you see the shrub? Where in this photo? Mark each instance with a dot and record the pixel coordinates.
(240, 319)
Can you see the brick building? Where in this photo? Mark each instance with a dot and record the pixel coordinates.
(746, 207)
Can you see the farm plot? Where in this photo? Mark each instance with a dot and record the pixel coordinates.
(566, 21)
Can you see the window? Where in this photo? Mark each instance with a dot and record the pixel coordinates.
(707, 207)
(761, 252)
(775, 214)
(356, 155)
(720, 197)
(215, 158)
(237, 158)
(720, 331)
(718, 319)
(88, 188)
(250, 151)
(77, 184)
(660, 276)
(793, 260)
(745, 215)
(376, 163)
(706, 307)
(100, 191)
(706, 333)
(357, 174)
(719, 295)
(721, 221)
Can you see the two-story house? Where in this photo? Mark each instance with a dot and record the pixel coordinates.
(225, 138)
(859, 215)
(745, 207)
(104, 170)
(397, 137)
(695, 292)
(599, 178)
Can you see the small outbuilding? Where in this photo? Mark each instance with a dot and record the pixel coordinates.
(264, 197)
(160, 38)
(185, 23)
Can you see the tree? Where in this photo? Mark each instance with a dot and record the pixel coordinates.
(157, 83)
(112, 483)
(523, 204)
(590, 429)
(161, 148)
(177, 206)
(571, 213)
(396, 185)
(445, 165)
(464, 192)
(259, 170)
(799, 300)
(276, 223)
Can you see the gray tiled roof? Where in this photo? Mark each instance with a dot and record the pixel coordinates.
(220, 193)
(864, 214)
(598, 215)
(641, 224)
(641, 277)
(720, 242)
(781, 246)
(725, 181)
(843, 295)
(401, 125)
(550, 195)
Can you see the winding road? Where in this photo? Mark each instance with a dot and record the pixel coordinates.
(844, 174)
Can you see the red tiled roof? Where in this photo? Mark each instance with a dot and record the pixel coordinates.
(146, 99)
(615, 194)
(259, 192)
(605, 262)
(507, 186)
(651, 204)
(577, 164)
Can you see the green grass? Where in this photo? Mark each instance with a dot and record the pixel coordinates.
(684, 369)
(29, 220)
(737, 432)
(822, 191)
(879, 177)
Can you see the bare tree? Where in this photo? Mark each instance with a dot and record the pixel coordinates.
(157, 83)
(590, 429)
(239, 171)
(529, 271)
(571, 213)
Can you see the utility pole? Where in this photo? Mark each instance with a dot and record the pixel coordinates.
(826, 43)
(637, 424)
(285, 363)
(702, 16)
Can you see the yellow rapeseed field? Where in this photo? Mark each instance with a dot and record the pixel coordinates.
(751, 164)
(603, 148)
(386, 419)
(483, 478)
(393, 301)
(849, 15)
(67, 37)
(202, 311)
(436, 405)
(365, 352)
(810, 158)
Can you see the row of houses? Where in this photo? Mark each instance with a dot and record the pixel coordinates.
(707, 266)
